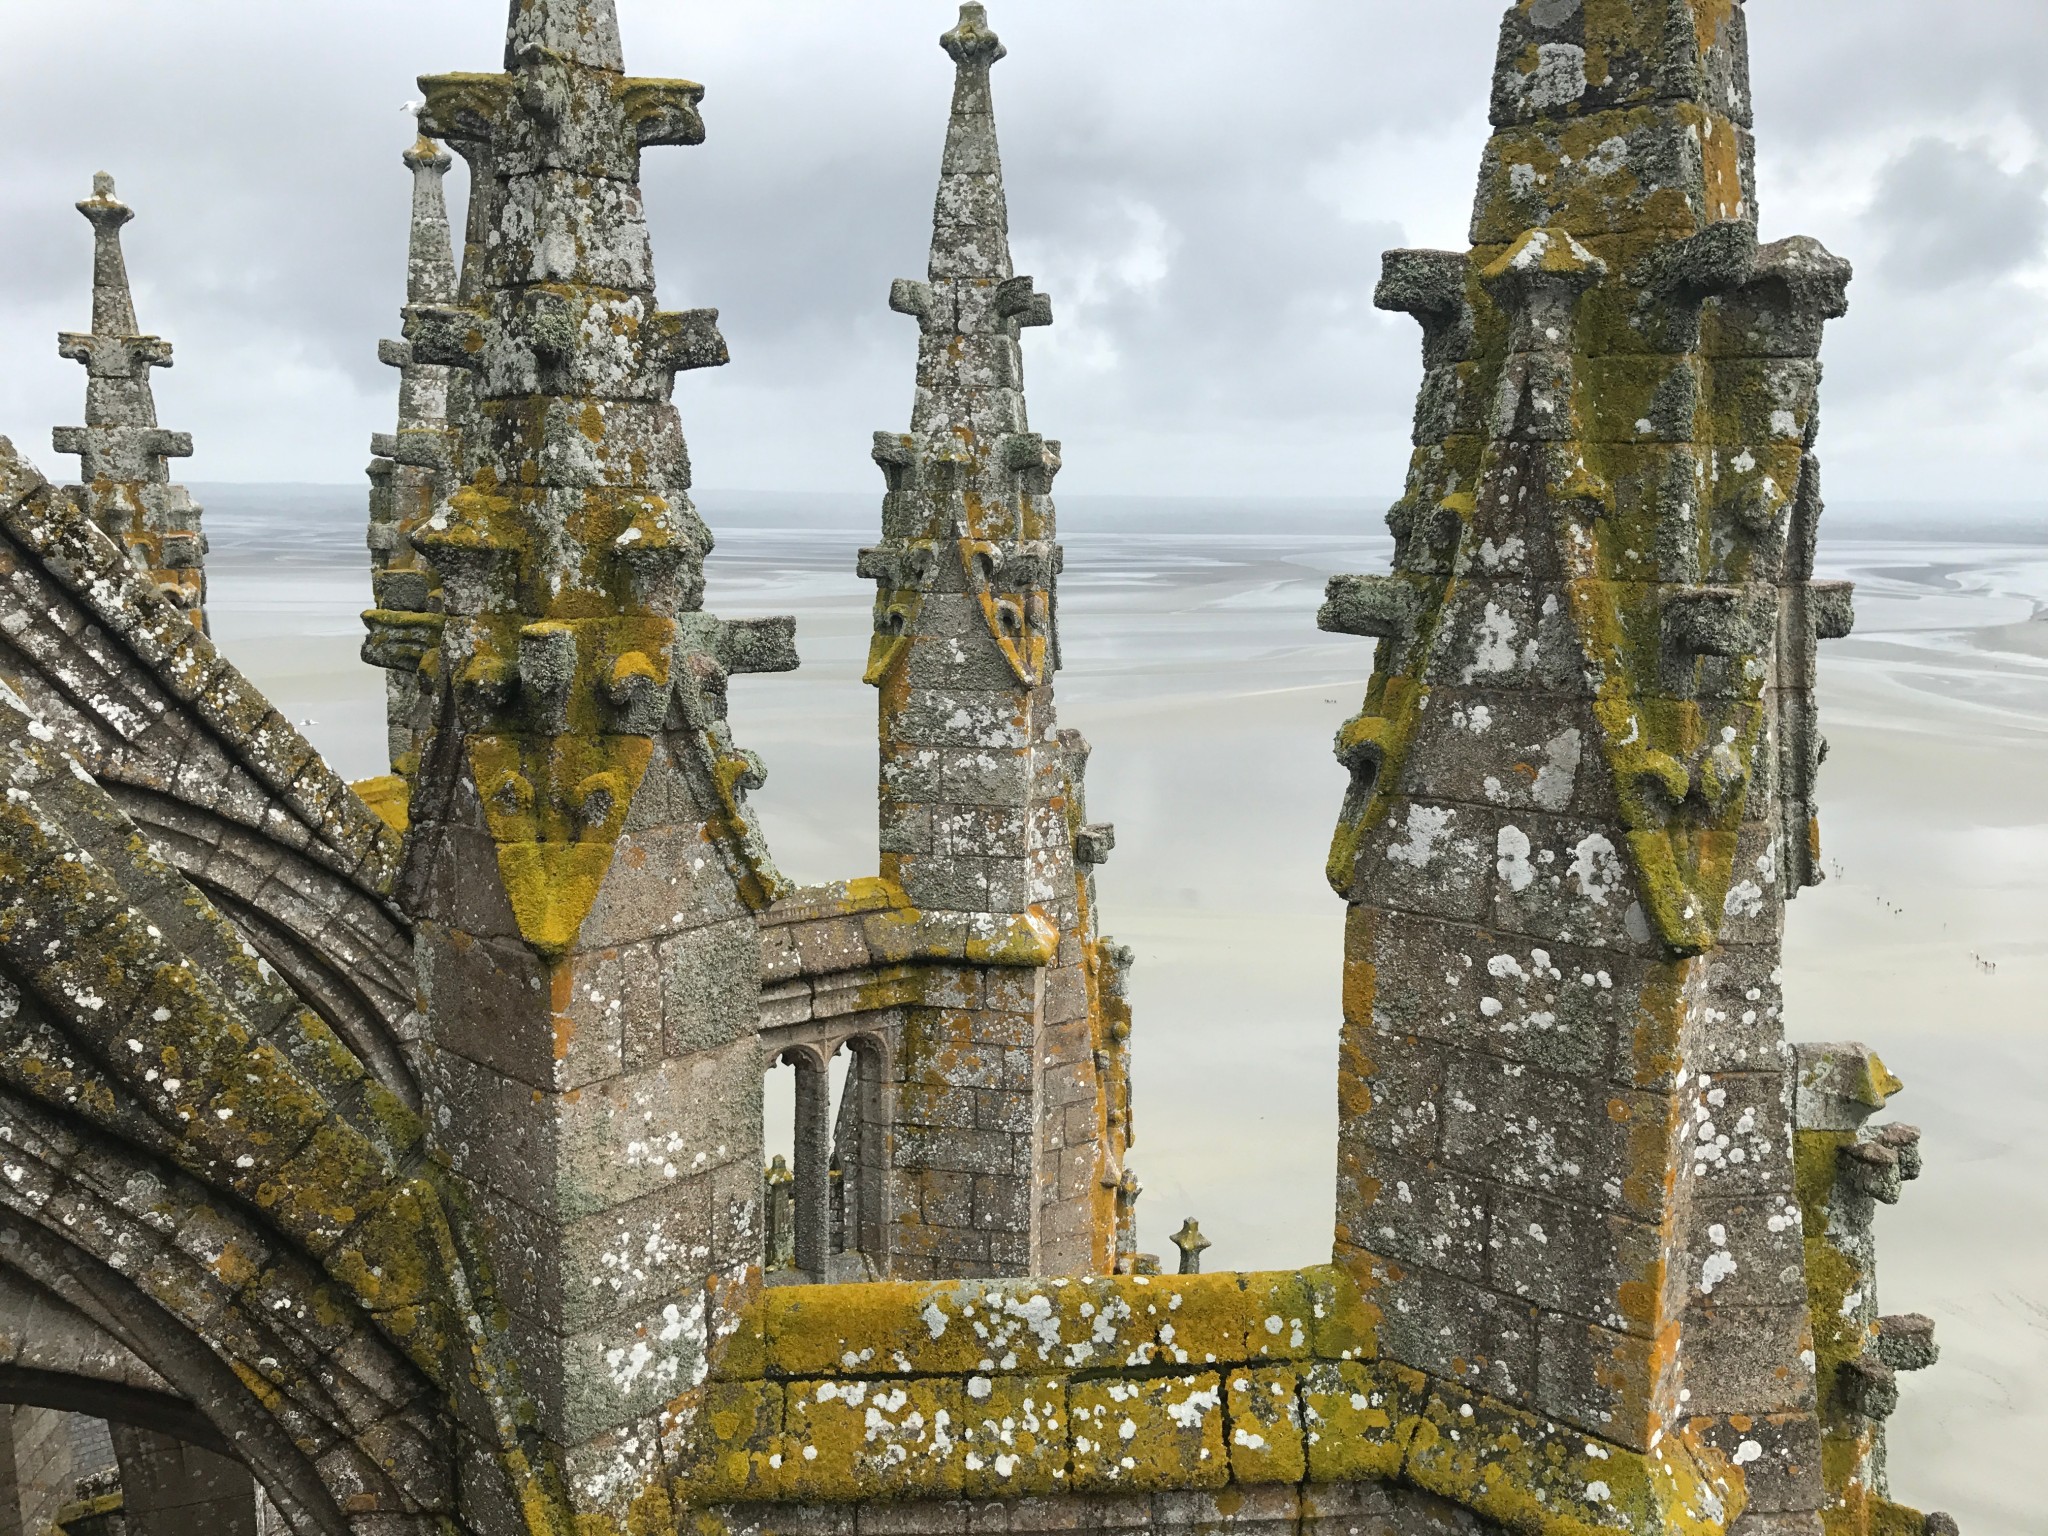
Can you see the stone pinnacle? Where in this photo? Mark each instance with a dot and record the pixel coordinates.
(113, 307)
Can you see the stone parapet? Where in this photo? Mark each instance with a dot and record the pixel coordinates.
(1052, 1404)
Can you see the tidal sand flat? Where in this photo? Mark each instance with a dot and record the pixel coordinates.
(1194, 667)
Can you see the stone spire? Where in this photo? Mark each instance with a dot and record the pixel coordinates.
(581, 863)
(1581, 785)
(571, 559)
(981, 794)
(414, 470)
(125, 484)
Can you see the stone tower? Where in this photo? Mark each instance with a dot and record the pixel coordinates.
(413, 473)
(1582, 781)
(582, 870)
(1013, 1110)
(125, 483)
(407, 1162)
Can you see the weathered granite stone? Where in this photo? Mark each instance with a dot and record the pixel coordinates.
(984, 830)
(414, 472)
(402, 1151)
(125, 481)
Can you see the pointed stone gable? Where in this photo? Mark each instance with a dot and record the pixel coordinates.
(581, 865)
(570, 559)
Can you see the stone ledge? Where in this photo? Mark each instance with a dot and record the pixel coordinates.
(1218, 1386)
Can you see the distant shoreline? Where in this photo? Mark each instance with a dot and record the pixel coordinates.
(327, 514)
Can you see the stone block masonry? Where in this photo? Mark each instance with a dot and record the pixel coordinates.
(399, 1148)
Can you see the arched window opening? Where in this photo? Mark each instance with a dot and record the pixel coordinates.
(824, 1183)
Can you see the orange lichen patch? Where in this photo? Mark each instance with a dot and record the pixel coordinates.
(1149, 1435)
(1652, 1122)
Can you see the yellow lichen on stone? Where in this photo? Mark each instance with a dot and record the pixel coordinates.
(1004, 1389)
(1149, 1434)
(739, 1451)
(1359, 1419)
(874, 1330)
(1029, 939)
(1014, 1436)
(391, 798)
(1543, 1478)
(1152, 1320)
(1343, 1319)
(856, 1441)
(1265, 1415)
(552, 887)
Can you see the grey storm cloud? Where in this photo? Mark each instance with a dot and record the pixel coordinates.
(1204, 187)
(1950, 213)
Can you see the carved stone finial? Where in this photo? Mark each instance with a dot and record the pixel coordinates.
(425, 154)
(1192, 1246)
(1591, 734)
(113, 303)
(972, 44)
(968, 535)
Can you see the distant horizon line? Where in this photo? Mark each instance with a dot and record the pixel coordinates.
(1839, 502)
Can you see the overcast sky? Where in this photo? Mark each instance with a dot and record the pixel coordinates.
(1204, 187)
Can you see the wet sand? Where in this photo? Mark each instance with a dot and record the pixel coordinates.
(1194, 667)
